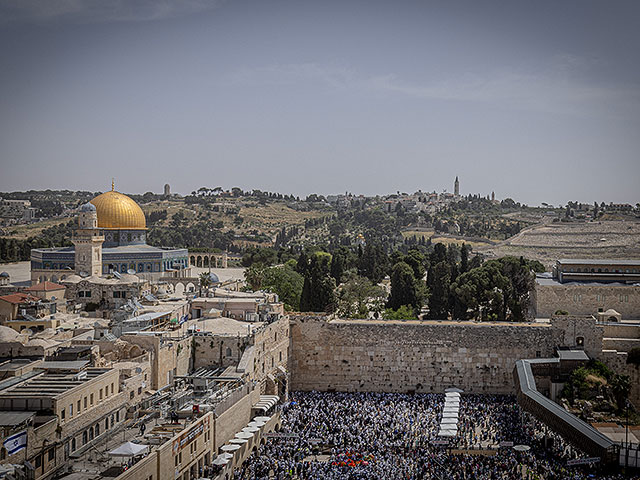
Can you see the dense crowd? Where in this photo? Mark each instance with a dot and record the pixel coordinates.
(357, 436)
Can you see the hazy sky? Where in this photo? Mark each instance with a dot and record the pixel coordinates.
(539, 101)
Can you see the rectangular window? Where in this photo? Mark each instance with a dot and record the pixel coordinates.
(78, 406)
(91, 399)
(62, 414)
(71, 410)
(52, 454)
(81, 294)
(85, 403)
(100, 394)
(112, 389)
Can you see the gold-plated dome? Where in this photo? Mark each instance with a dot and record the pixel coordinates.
(117, 211)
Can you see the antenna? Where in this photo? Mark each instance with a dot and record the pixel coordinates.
(113, 184)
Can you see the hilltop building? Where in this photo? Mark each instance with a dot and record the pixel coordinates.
(589, 287)
(111, 237)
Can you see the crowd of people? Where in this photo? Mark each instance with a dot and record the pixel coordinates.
(358, 436)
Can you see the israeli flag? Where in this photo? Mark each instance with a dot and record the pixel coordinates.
(16, 442)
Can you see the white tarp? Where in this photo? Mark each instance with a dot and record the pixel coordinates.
(449, 421)
(447, 433)
(450, 415)
(453, 390)
(129, 449)
(220, 461)
(244, 435)
(230, 448)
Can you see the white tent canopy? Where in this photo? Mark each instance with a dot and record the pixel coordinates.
(452, 395)
(220, 461)
(449, 421)
(129, 449)
(447, 433)
(450, 415)
(453, 390)
(244, 435)
(230, 448)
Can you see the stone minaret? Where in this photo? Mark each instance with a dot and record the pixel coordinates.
(88, 242)
(456, 187)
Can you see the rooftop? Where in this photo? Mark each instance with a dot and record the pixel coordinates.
(51, 385)
(19, 297)
(45, 286)
(587, 261)
(11, 419)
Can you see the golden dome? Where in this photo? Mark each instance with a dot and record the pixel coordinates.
(117, 211)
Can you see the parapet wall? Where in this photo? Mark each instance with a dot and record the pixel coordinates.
(413, 356)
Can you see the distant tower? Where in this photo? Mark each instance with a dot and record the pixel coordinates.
(88, 242)
(167, 190)
(456, 187)
(493, 196)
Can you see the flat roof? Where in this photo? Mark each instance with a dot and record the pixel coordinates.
(50, 385)
(572, 355)
(587, 261)
(64, 365)
(10, 419)
(552, 282)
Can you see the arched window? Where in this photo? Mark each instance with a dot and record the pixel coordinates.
(228, 352)
(580, 341)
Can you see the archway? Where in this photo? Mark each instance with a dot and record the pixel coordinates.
(179, 289)
(199, 262)
(192, 261)
(205, 262)
(191, 287)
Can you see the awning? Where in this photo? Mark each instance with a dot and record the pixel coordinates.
(220, 461)
(244, 435)
(262, 419)
(453, 390)
(238, 441)
(251, 429)
(230, 448)
(129, 449)
(266, 402)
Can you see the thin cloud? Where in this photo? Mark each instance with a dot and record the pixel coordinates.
(98, 11)
(290, 74)
(559, 90)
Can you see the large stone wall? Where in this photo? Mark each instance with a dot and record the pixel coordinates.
(413, 356)
(587, 299)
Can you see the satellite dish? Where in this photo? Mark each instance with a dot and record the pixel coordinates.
(131, 271)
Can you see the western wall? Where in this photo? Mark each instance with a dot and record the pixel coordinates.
(412, 356)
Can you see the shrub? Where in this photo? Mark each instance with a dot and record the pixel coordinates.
(633, 357)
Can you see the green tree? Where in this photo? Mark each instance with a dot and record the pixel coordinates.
(205, 281)
(416, 261)
(356, 296)
(373, 262)
(318, 290)
(439, 292)
(255, 277)
(404, 288)
(403, 313)
(286, 283)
